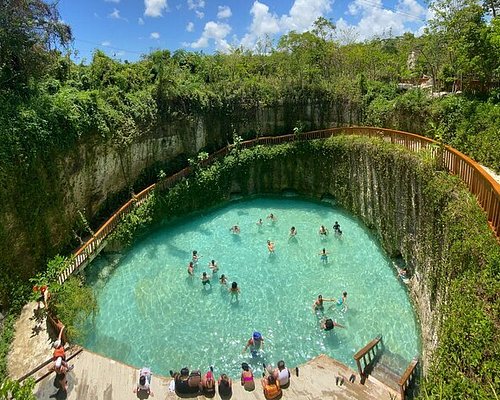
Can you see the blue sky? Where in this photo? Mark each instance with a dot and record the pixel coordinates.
(125, 29)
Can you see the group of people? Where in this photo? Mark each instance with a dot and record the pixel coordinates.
(234, 289)
(328, 324)
(186, 382)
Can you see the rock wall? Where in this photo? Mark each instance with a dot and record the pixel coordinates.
(386, 188)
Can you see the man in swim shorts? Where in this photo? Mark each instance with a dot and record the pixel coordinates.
(256, 343)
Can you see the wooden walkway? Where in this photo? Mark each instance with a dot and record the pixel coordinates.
(98, 378)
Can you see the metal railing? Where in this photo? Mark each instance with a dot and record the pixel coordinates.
(479, 182)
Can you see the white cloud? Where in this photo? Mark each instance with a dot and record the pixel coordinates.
(140, 21)
(154, 35)
(224, 12)
(116, 15)
(300, 18)
(215, 31)
(190, 27)
(303, 14)
(106, 43)
(194, 4)
(374, 20)
(154, 8)
(263, 23)
(200, 14)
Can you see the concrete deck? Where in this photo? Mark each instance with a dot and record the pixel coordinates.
(98, 378)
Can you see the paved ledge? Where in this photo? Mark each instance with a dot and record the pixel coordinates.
(98, 378)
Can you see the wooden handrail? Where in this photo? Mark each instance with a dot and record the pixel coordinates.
(360, 355)
(479, 182)
(407, 377)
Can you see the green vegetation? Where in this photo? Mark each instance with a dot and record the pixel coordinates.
(50, 106)
(453, 251)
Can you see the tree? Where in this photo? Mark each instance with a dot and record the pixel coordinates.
(30, 31)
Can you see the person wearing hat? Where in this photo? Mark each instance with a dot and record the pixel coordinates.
(256, 343)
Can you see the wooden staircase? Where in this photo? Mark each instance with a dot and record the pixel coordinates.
(387, 367)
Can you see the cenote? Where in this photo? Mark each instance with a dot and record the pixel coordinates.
(152, 313)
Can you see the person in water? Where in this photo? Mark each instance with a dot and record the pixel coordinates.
(191, 268)
(293, 232)
(328, 324)
(205, 279)
(213, 266)
(255, 343)
(223, 280)
(270, 247)
(336, 227)
(259, 222)
(235, 291)
(272, 217)
(195, 257)
(342, 301)
(318, 303)
(323, 231)
(324, 256)
(235, 229)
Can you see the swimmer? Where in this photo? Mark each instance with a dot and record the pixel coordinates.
(293, 232)
(195, 256)
(255, 343)
(336, 228)
(318, 303)
(323, 231)
(272, 217)
(213, 266)
(191, 268)
(328, 324)
(235, 229)
(324, 256)
(234, 290)
(205, 279)
(270, 247)
(259, 222)
(342, 301)
(223, 280)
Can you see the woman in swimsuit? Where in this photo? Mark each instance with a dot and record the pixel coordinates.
(191, 268)
(270, 247)
(247, 377)
(223, 280)
(196, 257)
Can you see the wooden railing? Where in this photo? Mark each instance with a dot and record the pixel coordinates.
(407, 378)
(368, 356)
(479, 182)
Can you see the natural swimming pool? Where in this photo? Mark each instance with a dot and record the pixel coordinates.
(152, 313)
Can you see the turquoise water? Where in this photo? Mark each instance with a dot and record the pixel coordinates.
(152, 313)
